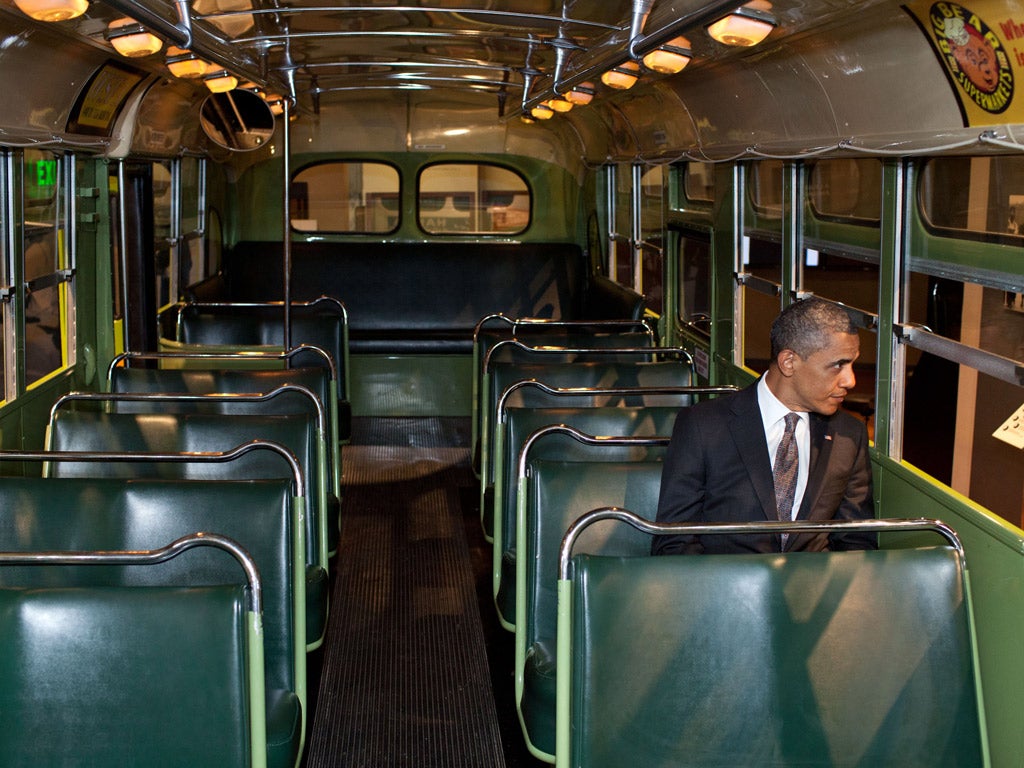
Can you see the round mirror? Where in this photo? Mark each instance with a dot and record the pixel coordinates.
(237, 120)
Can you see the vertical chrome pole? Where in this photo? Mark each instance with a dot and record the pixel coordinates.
(287, 223)
(122, 248)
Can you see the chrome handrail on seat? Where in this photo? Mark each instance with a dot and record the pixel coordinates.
(796, 526)
(286, 355)
(183, 457)
(151, 557)
(577, 391)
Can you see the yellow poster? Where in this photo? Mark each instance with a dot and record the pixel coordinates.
(981, 46)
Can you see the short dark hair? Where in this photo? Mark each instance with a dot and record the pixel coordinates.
(807, 325)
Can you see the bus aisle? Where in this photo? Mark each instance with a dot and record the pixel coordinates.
(405, 678)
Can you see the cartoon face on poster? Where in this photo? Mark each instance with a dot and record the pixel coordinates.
(978, 46)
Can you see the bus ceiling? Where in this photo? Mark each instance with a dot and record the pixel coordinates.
(572, 81)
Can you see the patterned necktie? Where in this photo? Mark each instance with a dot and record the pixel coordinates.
(786, 461)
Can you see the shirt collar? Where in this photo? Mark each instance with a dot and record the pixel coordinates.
(772, 409)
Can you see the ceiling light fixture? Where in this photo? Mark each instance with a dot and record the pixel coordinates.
(559, 104)
(746, 26)
(581, 94)
(669, 58)
(220, 81)
(623, 76)
(185, 64)
(131, 39)
(542, 112)
(52, 10)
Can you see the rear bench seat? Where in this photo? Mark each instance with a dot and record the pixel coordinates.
(426, 298)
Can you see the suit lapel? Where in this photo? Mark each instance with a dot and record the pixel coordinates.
(748, 436)
(821, 449)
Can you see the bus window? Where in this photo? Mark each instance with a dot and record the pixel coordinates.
(953, 411)
(846, 189)
(213, 242)
(651, 238)
(472, 199)
(620, 219)
(349, 197)
(766, 187)
(762, 260)
(695, 282)
(164, 244)
(44, 261)
(993, 215)
(193, 266)
(7, 282)
(699, 182)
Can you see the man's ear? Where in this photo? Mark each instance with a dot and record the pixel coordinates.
(786, 361)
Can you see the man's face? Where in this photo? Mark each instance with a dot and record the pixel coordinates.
(821, 380)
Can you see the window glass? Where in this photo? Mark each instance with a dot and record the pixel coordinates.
(43, 260)
(847, 188)
(191, 195)
(849, 281)
(214, 247)
(622, 220)
(472, 199)
(345, 197)
(699, 182)
(651, 229)
(761, 302)
(759, 309)
(950, 196)
(7, 281)
(766, 187)
(953, 413)
(163, 235)
(695, 282)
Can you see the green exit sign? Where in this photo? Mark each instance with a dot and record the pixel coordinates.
(46, 173)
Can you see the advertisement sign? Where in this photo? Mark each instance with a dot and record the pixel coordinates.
(981, 47)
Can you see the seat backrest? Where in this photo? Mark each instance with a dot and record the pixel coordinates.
(809, 659)
(118, 675)
(520, 423)
(559, 492)
(66, 514)
(84, 430)
(228, 381)
(243, 326)
(603, 374)
(125, 380)
(496, 328)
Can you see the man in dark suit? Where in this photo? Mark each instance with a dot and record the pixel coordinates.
(719, 466)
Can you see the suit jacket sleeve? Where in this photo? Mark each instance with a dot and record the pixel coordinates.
(857, 501)
(683, 485)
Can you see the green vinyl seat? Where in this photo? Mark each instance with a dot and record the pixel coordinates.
(511, 438)
(545, 349)
(558, 491)
(191, 381)
(100, 431)
(604, 375)
(492, 329)
(322, 323)
(125, 675)
(858, 658)
(62, 514)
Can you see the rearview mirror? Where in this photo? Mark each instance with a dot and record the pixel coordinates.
(237, 120)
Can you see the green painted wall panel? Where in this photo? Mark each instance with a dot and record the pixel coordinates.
(994, 551)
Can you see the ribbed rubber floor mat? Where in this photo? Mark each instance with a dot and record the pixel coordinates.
(405, 680)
